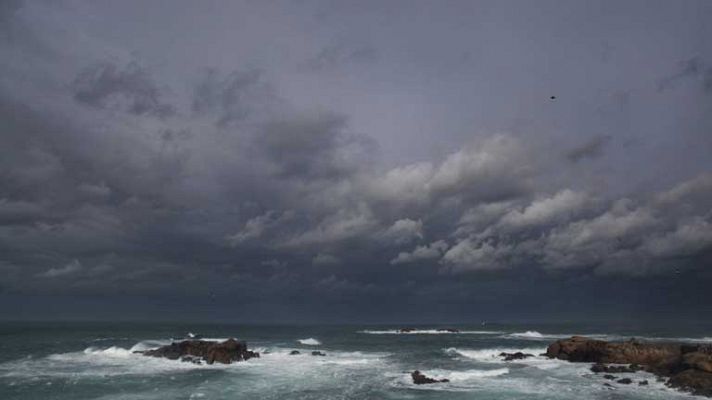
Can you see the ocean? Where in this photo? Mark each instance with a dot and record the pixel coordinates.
(95, 360)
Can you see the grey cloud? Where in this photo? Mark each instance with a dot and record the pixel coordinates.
(232, 98)
(69, 269)
(431, 251)
(272, 173)
(313, 146)
(338, 55)
(322, 259)
(403, 231)
(571, 231)
(129, 88)
(482, 172)
(591, 149)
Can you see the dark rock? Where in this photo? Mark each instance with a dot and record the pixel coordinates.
(688, 366)
(226, 352)
(609, 386)
(318, 353)
(420, 379)
(610, 377)
(643, 383)
(294, 352)
(692, 380)
(625, 381)
(515, 356)
(407, 330)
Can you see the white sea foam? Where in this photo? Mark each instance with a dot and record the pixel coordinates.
(427, 332)
(309, 342)
(491, 354)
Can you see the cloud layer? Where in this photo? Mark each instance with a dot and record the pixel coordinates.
(288, 173)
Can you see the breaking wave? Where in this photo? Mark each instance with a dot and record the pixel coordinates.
(309, 342)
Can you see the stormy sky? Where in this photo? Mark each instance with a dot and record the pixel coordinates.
(355, 161)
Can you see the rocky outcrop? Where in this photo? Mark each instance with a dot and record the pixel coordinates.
(294, 352)
(686, 366)
(515, 356)
(197, 351)
(318, 353)
(420, 379)
(406, 330)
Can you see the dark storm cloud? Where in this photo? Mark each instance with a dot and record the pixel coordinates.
(394, 181)
(231, 98)
(130, 88)
(591, 149)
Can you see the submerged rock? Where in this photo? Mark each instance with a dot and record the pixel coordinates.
(686, 366)
(407, 330)
(294, 352)
(420, 379)
(318, 353)
(625, 381)
(194, 351)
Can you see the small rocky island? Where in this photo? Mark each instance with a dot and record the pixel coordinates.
(420, 379)
(199, 351)
(684, 366)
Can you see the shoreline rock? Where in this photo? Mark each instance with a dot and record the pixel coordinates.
(686, 366)
(197, 351)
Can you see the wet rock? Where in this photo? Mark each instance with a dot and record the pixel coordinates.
(420, 379)
(294, 352)
(643, 383)
(225, 352)
(407, 330)
(515, 356)
(692, 380)
(318, 353)
(625, 381)
(688, 366)
(610, 377)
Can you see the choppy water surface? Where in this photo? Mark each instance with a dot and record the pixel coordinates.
(96, 361)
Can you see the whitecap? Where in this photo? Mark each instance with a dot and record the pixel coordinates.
(427, 332)
(309, 342)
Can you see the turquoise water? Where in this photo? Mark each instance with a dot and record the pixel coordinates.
(95, 361)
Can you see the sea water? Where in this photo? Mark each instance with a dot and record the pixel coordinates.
(97, 361)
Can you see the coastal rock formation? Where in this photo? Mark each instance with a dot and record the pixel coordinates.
(194, 351)
(318, 353)
(420, 379)
(687, 366)
(406, 330)
(294, 352)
